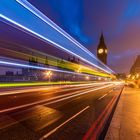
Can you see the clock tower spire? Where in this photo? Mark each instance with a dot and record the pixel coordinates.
(102, 50)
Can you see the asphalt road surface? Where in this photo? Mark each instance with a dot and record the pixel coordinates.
(55, 112)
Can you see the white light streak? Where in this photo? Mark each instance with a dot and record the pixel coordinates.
(48, 40)
(39, 14)
(37, 67)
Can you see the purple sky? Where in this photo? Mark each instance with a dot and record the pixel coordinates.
(85, 19)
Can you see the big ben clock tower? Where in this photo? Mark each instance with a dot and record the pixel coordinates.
(102, 50)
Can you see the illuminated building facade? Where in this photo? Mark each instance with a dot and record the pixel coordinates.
(135, 69)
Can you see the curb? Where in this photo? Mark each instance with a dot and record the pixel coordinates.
(108, 121)
(99, 128)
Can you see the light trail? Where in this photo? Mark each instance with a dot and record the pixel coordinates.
(56, 99)
(39, 14)
(43, 38)
(43, 17)
(72, 70)
(65, 122)
(54, 62)
(38, 67)
(60, 87)
(78, 94)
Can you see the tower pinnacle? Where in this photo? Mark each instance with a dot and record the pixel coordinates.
(102, 50)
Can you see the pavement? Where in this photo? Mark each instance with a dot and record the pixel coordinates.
(56, 113)
(125, 124)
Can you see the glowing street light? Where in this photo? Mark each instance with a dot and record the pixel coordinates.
(79, 69)
(87, 77)
(137, 76)
(129, 76)
(133, 77)
(99, 78)
(49, 74)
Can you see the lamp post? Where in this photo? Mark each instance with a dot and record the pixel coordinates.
(49, 74)
(79, 71)
(137, 76)
(87, 77)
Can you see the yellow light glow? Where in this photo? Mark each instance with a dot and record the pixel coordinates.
(79, 69)
(106, 51)
(87, 77)
(129, 76)
(99, 78)
(49, 73)
(100, 51)
(137, 75)
(133, 77)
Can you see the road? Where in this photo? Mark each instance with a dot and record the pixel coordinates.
(67, 112)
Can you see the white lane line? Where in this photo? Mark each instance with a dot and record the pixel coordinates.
(65, 122)
(105, 94)
(74, 88)
(75, 95)
(110, 91)
(102, 97)
(63, 97)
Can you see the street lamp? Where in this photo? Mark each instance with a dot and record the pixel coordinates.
(129, 76)
(133, 77)
(49, 74)
(137, 75)
(87, 77)
(79, 69)
(99, 78)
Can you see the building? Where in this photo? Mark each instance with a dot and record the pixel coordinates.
(9, 73)
(9, 76)
(102, 50)
(121, 76)
(135, 69)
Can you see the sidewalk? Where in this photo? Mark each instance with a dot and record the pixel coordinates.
(125, 124)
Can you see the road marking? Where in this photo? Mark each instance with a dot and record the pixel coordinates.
(99, 121)
(65, 122)
(102, 97)
(75, 95)
(110, 91)
(36, 118)
(105, 94)
(56, 99)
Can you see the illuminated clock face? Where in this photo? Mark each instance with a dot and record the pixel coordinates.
(105, 50)
(100, 51)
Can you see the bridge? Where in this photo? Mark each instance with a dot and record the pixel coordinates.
(54, 87)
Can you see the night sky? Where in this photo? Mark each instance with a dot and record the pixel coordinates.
(119, 20)
(86, 19)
